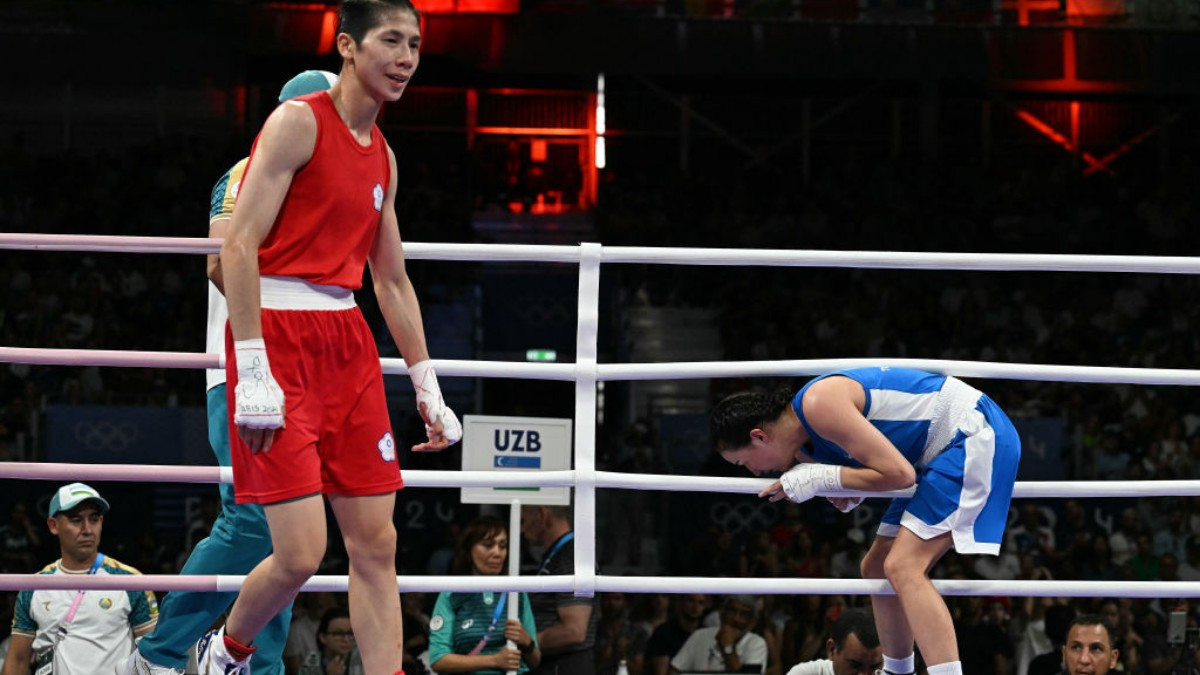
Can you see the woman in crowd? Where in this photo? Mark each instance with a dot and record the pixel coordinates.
(337, 654)
(468, 632)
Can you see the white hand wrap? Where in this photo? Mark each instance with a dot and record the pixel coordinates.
(805, 481)
(258, 400)
(428, 392)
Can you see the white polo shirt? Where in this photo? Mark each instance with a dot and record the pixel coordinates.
(819, 667)
(701, 652)
(102, 634)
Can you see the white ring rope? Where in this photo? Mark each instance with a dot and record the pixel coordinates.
(610, 372)
(586, 373)
(663, 255)
(603, 479)
(627, 584)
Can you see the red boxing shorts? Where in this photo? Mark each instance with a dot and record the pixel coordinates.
(337, 438)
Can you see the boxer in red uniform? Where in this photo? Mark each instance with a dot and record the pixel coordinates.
(308, 411)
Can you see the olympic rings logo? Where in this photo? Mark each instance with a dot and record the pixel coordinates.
(538, 309)
(98, 436)
(742, 516)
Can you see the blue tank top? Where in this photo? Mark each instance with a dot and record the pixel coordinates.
(918, 412)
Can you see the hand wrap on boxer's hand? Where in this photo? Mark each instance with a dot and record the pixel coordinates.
(805, 481)
(258, 400)
(430, 404)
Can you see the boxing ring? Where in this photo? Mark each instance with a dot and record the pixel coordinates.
(586, 373)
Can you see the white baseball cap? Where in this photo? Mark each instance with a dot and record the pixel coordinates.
(69, 496)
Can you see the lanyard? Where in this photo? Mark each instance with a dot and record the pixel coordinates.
(495, 619)
(554, 550)
(79, 594)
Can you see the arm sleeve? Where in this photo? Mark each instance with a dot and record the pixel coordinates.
(143, 610)
(441, 628)
(23, 622)
(224, 193)
(756, 651)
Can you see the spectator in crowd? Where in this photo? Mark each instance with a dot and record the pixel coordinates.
(470, 632)
(1058, 619)
(618, 639)
(805, 630)
(1089, 647)
(1123, 542)
(1006, 564)
(1159, 655)
(1174, 537)
(760, 557)
(727, 648)
(852, 649)
(983, 641)
(650, 610)
(843, 564)
(1145, 563)
(1124, 636)
(686, 612)
(1189, 569)
(337, 653)
(1098, 565)
(416, 630)
(1073, 534)
(566, 624)
(304, 627)
(76, 632)
(804, 558)
(771, 631)
(18, 540)
(1031, 535)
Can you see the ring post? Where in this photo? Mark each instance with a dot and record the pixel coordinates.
(585, 420)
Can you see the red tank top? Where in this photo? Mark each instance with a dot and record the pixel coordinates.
(331, 213)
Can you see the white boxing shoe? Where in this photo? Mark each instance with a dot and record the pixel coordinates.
(213, 659)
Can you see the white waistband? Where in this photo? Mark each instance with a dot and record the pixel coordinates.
(955, 402)
(298, 294)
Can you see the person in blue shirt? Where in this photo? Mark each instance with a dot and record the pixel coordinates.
(880, 429)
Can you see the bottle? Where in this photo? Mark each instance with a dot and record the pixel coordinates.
(622, 669)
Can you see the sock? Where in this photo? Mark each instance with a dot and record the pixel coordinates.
(907, 664)
(237, 650)
(951, 668)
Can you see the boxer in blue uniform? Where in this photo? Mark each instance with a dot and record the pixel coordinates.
(879, 429)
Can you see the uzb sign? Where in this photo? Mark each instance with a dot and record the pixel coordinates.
(492, 443)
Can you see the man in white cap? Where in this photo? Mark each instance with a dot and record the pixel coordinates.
(78, 632)
(240, 538)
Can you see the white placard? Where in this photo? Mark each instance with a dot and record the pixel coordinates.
(495, 443)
